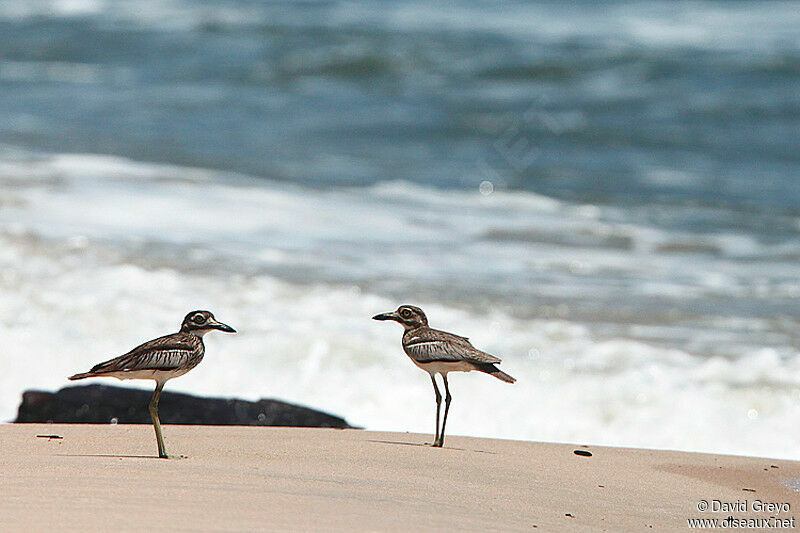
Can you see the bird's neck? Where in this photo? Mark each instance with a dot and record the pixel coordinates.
(409, 330)
(196, 332)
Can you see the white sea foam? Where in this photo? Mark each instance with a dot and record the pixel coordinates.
(316, 345)
(99, 253)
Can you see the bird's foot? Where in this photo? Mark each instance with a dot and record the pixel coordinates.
(173, 456)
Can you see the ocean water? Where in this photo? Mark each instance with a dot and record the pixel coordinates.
(605, 195)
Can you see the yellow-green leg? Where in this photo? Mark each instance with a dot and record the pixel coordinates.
(162, 451)
(440, 441)
(438, 408)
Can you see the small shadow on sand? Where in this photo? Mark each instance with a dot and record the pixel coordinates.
(401, 443)
(118, 456)
(424, 445)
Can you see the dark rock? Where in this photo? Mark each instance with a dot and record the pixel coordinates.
(584, 453)
(103, 404)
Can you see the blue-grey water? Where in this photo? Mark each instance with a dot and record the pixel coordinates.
(603, 194)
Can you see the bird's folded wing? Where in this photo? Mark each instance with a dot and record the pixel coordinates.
(164, 353)
(442, 346)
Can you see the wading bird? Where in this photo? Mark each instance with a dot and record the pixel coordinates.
(439, 352)
(162, 359)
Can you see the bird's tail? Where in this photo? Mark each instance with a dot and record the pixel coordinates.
(492, 370)
(81, 376)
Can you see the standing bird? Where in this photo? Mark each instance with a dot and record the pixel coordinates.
(439, 352)
(162, 359)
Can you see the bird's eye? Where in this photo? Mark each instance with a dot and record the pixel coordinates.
(405, 313)
(198, 318)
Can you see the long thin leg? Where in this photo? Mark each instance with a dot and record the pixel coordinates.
(438, 407)
(447, 399)
(162, 452)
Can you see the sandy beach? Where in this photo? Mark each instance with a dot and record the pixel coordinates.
(97, 478)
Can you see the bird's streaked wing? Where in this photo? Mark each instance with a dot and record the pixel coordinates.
(434, 345)
(164, 353)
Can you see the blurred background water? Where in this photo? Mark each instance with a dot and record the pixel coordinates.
(605, 195)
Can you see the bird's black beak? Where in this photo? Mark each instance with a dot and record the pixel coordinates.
(222, 327)
(385, 316)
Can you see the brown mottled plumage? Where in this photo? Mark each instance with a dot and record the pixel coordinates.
(440, 352)
(167, 354)
(162, 359)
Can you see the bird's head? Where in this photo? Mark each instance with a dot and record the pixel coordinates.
(409, 316)
(201, 322)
